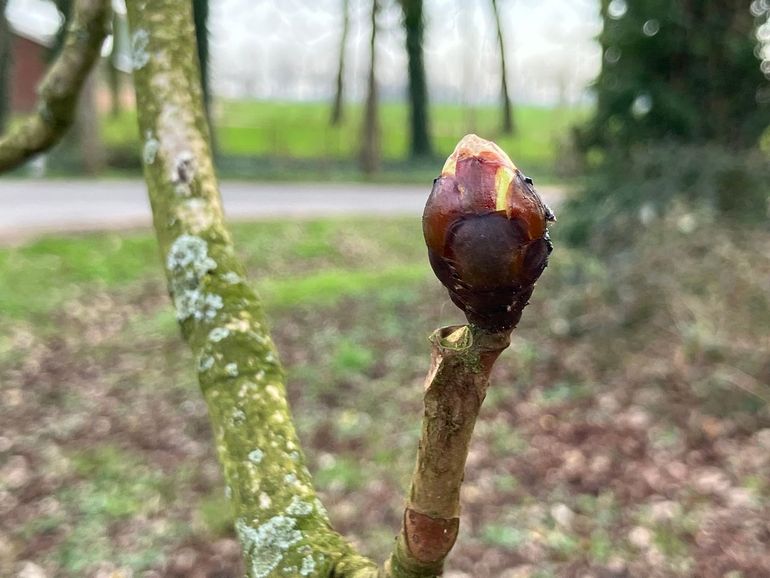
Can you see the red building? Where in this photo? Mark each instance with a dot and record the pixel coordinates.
(27, 69)
(33, 25)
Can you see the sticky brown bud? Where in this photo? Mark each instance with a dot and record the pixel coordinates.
(486, 231)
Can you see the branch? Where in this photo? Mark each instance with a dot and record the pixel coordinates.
(462, 359)
(283, 527)
(58, 93)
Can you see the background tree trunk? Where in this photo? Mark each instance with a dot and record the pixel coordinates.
(420, 145)
(337, 107)
(370, 144)
(201, 19)
(112, 72)
(88, 128)
(85, 139)
(201, 22)
(5, 67)
(505, 99)
(114, 83)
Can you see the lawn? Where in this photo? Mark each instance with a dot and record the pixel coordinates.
(626, 433)
(300, 133)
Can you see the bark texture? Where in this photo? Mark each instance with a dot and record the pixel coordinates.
(59, 90)
(283, 527)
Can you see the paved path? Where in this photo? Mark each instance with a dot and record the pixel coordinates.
(31, 207)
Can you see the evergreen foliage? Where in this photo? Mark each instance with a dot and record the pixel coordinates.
(685, 71)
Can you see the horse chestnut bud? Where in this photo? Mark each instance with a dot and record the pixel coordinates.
(486, 232)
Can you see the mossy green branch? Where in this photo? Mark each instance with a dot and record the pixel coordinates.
(283, 527)
(58, 93)
(456, 384)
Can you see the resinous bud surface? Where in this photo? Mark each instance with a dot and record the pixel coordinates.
(486, 231)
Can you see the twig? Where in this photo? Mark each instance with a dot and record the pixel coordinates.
(462, 359)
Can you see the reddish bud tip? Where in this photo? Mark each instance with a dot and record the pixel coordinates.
(486, 231)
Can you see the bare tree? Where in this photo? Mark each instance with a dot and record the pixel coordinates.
(505, 99)
(420, 145)
(283, 527)
(337, 107)
(370, 138)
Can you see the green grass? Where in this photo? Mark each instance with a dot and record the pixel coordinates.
(113, 487)
(328, 287)
(301, 131)
(101, 392)
(319, 261)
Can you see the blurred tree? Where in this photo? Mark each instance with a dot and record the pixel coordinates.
(65, 9)
(90, 150)
(93, 157)
(420, 144)
(111, 68)
(682, 70)
(337, 107)
(201, 19)
(505, 100)
(201, 23)
(370, 140)
(5, 66)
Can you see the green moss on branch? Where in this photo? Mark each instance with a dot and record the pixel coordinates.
(283, 527)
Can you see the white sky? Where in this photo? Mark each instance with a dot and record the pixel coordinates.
(288, 49)
(35, 18)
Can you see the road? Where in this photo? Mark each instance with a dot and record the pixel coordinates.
(31, 207)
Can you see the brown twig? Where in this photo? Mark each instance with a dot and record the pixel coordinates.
(462, 359)
(58, 93)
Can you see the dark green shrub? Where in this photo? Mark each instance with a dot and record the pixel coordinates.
(630, 191)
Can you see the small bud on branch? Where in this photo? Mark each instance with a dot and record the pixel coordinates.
(486, 231)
